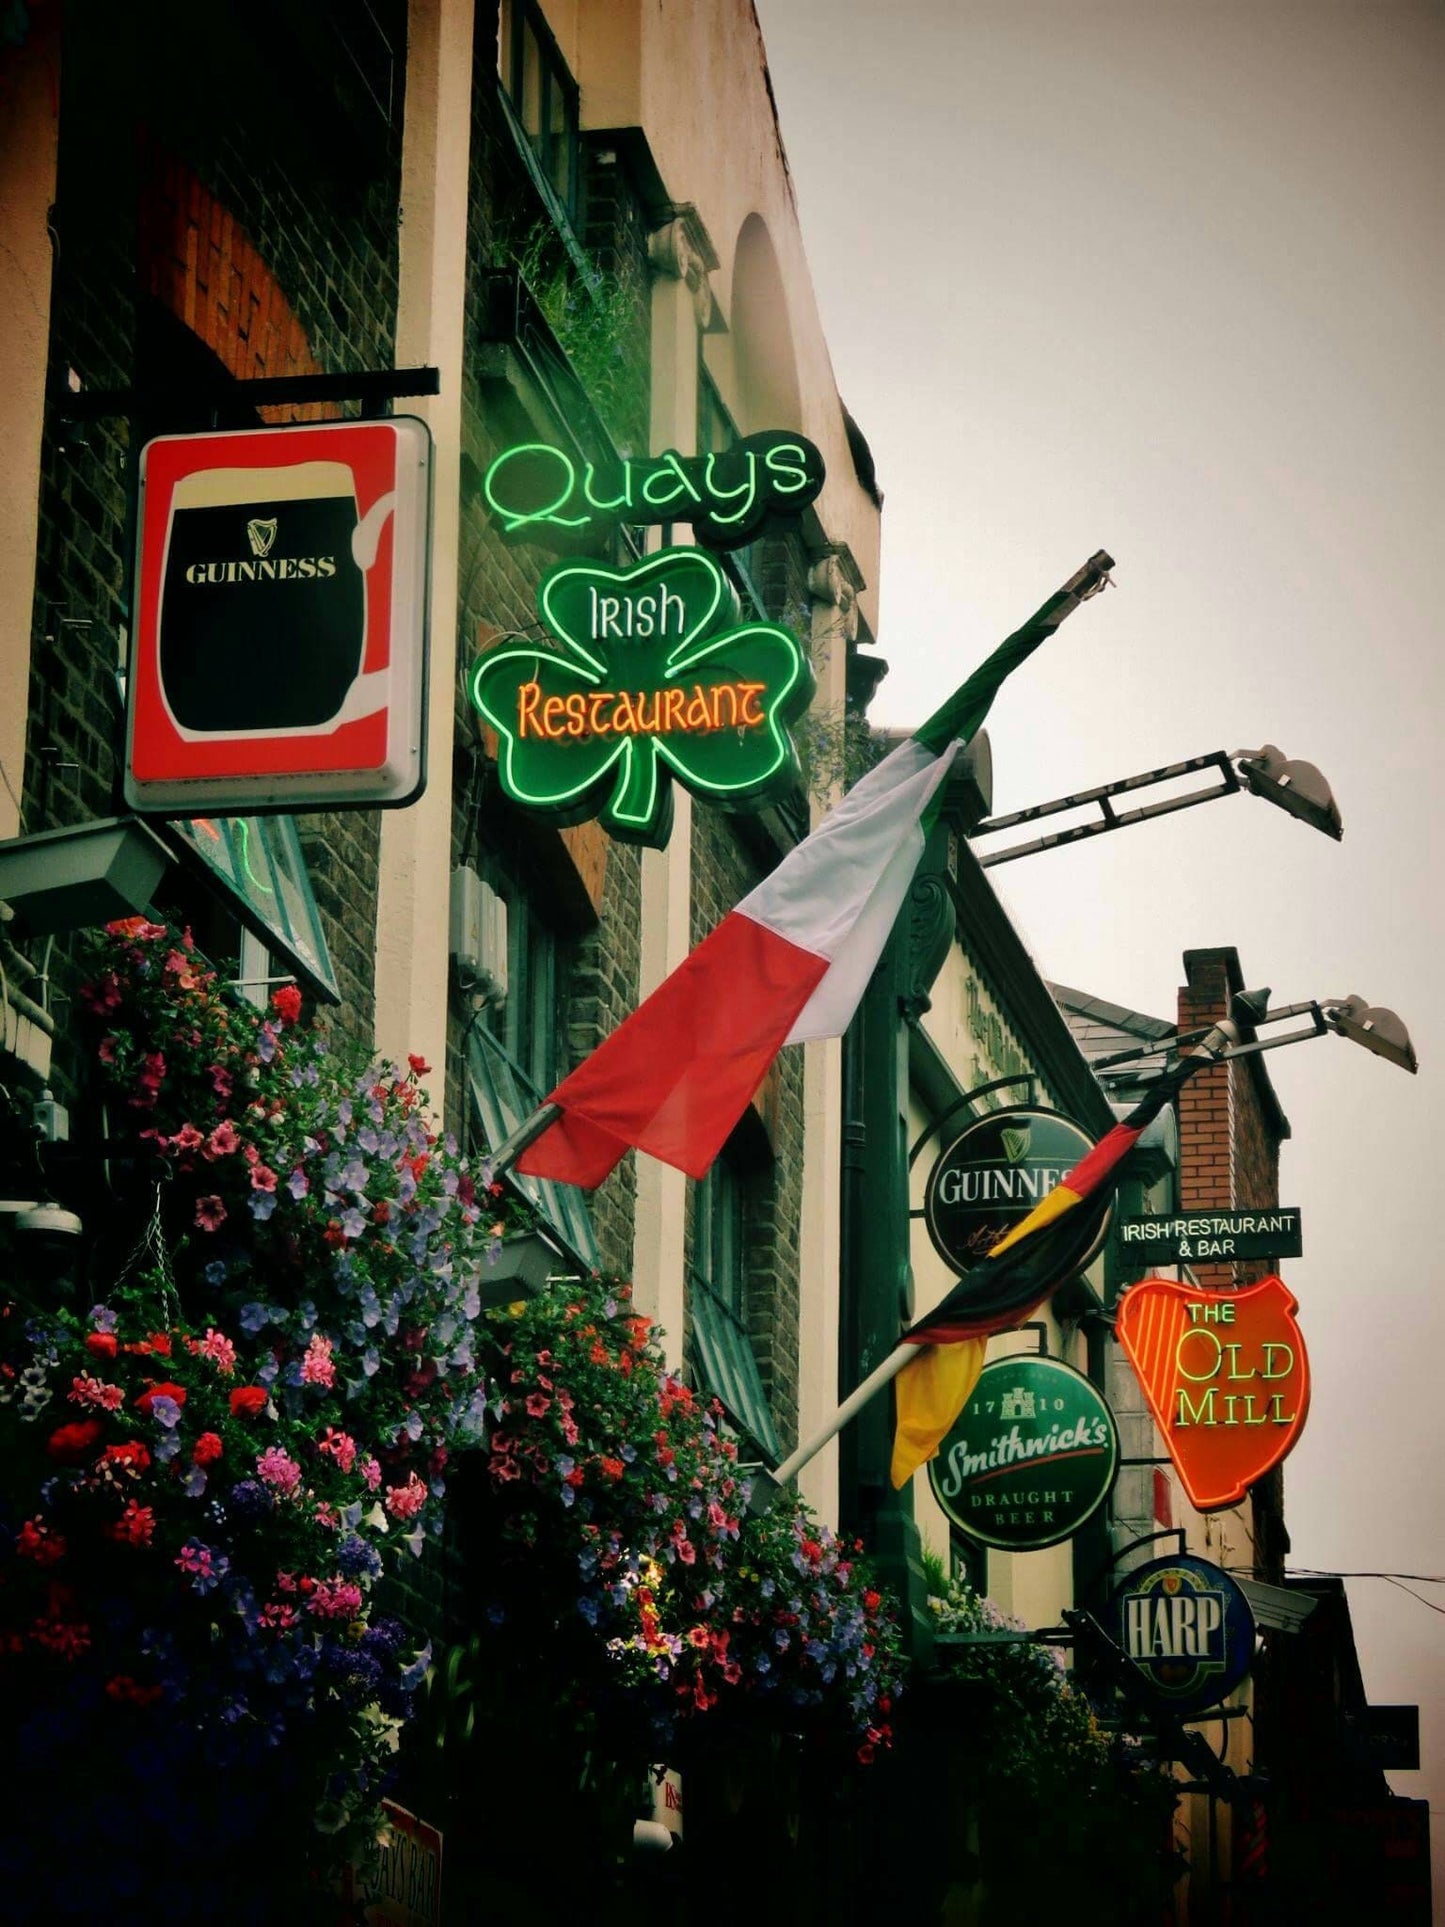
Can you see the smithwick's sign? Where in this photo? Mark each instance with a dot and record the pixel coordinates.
(1229, 1235)
(1187, 1627)
(540, 493)
(278, 659)
(1226, 1378)
(651, 677)
(994, 1173)
(1031, 1456)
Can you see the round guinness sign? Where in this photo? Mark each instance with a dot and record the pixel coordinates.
(992, 1176)
(1030, 1457)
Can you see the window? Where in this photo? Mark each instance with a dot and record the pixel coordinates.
(718, 1277)
(255, 864)
(513, 1058)
(716, 429)
(543, 98)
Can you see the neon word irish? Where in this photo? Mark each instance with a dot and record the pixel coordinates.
(651, 677)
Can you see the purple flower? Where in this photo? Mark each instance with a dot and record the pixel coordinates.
(252, 1317)
(298, 1184)
(263, 1203)
(165, 1411)
(103, 1318)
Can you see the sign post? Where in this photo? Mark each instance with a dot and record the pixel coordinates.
(1271, 1232)
(1031, 1456)
(278, 660)
(1226, 1377)
(651, 677)
(1188, 1629)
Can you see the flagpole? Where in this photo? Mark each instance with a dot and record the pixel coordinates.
(527, 1132)
(766, 1487)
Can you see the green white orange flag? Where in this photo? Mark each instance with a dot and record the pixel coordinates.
(789, 964)
(1019, 1274)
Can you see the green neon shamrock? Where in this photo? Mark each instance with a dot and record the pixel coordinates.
(652, 676)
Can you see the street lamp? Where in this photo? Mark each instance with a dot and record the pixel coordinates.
(1286, 782)
(1376, 1028)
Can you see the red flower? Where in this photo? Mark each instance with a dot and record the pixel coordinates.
(135, 1526)
(164, 1390)
(132, 1456)
(210, 1213)
(872, 1601)
(103, 1344)
(248, 1400)
(419, 1065)
(208, 1449)
(36, 1541)
(286, 1002)
(72, 1443)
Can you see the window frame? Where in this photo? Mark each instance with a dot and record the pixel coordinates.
(517, 21)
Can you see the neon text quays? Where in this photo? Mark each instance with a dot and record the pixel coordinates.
(541, 493)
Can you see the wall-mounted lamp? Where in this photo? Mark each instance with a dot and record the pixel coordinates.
(1289, 784)
(1372, 1025)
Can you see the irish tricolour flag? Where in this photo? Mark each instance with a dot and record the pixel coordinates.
(789, 964)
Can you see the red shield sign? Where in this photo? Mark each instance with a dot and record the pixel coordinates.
(1226, 1377)
(278, 658)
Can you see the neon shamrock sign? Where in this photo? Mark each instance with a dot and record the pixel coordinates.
(540, 493)
(651, 677)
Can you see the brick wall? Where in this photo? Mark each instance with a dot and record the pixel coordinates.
(216, 222)
(1229, 1150)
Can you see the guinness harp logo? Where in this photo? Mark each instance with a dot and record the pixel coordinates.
(261, 534)
(1016, 1140)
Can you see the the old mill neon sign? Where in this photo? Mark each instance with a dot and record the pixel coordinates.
(1226, 1377)
(651, 676)
(540, 493)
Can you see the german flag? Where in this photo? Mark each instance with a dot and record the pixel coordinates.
(1022, 1270)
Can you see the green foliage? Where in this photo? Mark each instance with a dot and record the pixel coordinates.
(603, 326)
(1039, 1765)
(836, 747)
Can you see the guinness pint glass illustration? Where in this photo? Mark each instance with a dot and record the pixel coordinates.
(263, 622)
(278, 653)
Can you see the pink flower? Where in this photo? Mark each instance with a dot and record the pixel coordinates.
(223, 1141)
(538, 1405)
(334, 1599)
(405, 1501)
(263, 1178)
(188, 1138)
(220, 1081)
(328, 1516)
(219, 1349)
(280, 1618)
(210, 1212)
(371, 1474)
(341, 1446)
(317, 1367)
(279, 1469)
(94, 1392)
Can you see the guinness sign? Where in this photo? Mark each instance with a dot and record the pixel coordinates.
(278, 659)
(1187, 1627)
(992, 1176)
